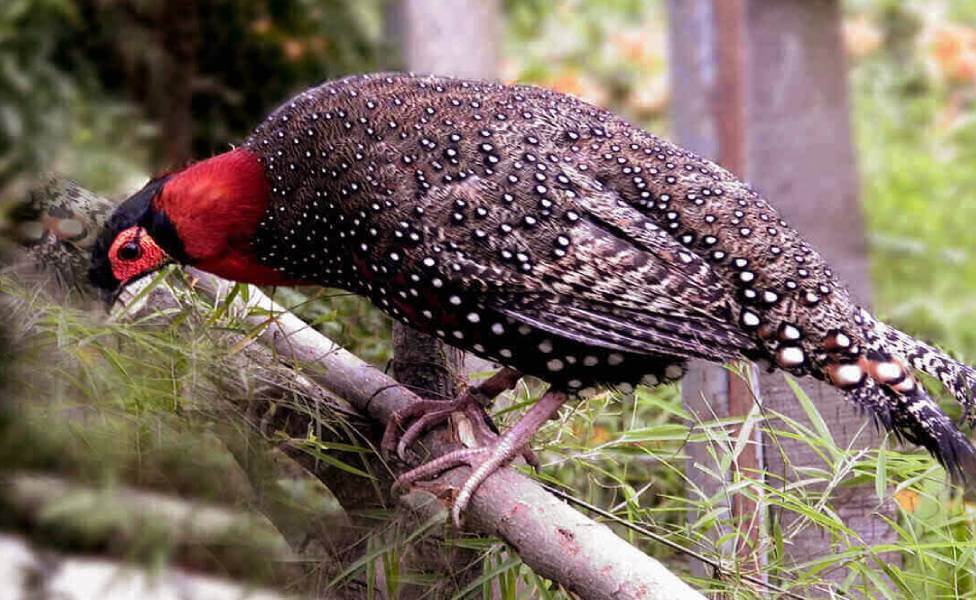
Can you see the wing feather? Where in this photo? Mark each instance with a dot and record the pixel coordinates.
(620, 283)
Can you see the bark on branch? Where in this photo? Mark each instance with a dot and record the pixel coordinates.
(119, 519)
(30, 572)
(555, 540)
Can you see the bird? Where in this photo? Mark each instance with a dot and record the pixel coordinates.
(535, 230)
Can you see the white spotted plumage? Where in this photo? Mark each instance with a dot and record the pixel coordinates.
(532, 228)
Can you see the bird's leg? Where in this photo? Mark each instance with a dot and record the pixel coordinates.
(489, 458)
(428, 413)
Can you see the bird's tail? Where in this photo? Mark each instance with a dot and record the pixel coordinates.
(957, 377)
(898, 402)
(916, 418)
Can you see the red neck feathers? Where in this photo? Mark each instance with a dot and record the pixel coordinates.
(215, 206)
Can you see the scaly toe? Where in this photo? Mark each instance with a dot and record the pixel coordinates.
(465, 456)
(419, 427)
(417, 411)
(389, 443)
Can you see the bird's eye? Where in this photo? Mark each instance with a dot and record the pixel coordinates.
(130, 251)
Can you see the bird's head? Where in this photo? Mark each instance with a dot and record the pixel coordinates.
(205, 215)
(126, 250)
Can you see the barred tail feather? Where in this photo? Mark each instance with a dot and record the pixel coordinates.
(902, 405)
(958, 378)
(916, 418)
(924, 423)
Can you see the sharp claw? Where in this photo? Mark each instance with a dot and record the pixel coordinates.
(388, 445)
(494, 458)
(429, 413)
(401, 451)
(456, 509)
(482, 469)
(426, 414)
(533, 460)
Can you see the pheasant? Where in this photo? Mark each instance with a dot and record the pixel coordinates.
(535, 230)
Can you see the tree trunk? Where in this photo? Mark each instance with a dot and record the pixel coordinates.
(457, 39)
(173, 100)
(760, 86)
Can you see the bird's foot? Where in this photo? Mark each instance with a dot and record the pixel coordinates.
(476, 458)
(487, 459)
(427, 414)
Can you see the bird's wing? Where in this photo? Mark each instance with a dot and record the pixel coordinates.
(643, 332)
(595, 270)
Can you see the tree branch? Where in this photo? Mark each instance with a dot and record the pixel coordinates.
(556, 541)
(34, 573)
(118, 519)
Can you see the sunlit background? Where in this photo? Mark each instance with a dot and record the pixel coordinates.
(111, 92)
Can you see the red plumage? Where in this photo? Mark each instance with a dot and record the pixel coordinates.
(215, 206)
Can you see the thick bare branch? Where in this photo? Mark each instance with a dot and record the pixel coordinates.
(28, 572)
(111, 516)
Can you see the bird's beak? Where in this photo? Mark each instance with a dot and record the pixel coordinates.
(110, 297)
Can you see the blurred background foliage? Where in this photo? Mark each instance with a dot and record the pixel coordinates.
(147, 85)
(108, 92)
